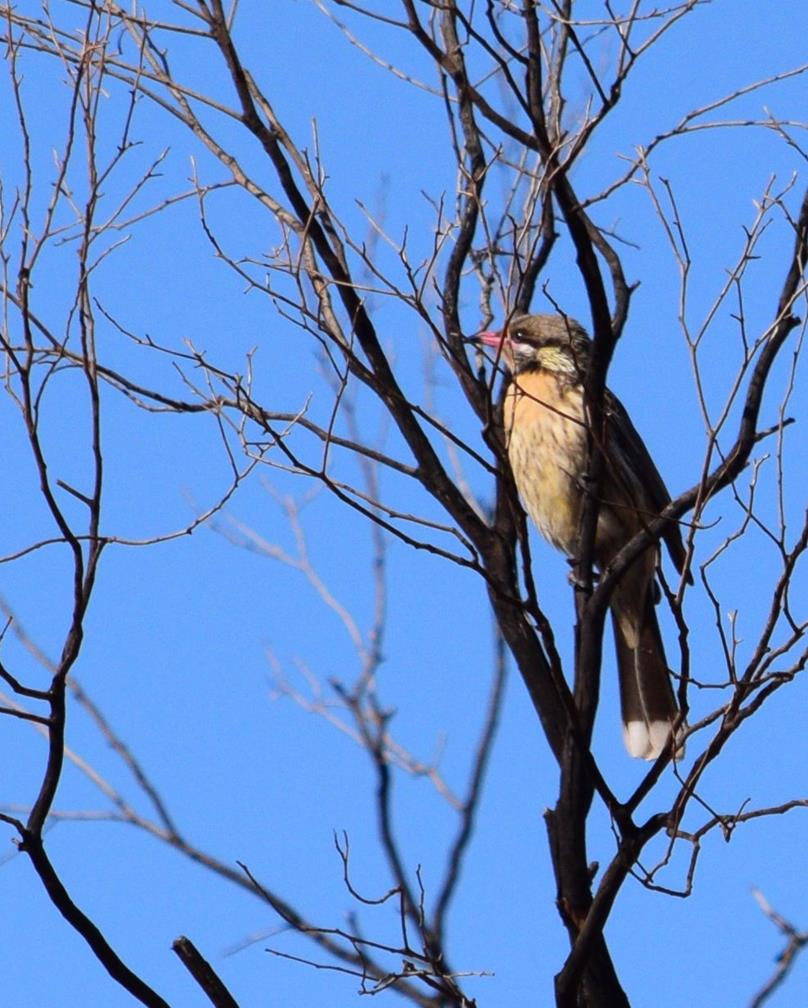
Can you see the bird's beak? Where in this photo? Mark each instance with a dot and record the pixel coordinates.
(492, 339)
(499, 343)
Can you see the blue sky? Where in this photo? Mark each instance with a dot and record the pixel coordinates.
(182, 638)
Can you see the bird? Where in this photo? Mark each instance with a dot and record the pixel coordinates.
(546, 358)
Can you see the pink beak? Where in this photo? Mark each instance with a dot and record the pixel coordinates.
(492, 339)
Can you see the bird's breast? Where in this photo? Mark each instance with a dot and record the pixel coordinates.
(547, 450)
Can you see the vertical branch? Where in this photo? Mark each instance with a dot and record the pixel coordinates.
(83, 568)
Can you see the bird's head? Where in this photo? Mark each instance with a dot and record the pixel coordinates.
(552, 342)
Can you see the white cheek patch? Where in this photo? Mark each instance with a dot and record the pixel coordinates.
(523, 353)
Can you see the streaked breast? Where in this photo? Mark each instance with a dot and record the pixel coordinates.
(546, 446)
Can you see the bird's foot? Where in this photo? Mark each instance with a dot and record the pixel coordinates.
(579, 583)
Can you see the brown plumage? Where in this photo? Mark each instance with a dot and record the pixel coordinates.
(547, 356)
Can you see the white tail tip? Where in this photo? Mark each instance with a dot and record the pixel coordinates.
(646, 740)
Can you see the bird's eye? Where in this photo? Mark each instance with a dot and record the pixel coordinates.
(519, 334)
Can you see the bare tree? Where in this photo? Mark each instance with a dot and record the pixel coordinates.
(506, 77)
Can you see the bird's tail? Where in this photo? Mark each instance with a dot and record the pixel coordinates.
(646, 696)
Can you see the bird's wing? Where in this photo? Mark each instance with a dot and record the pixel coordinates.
(637, 471)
